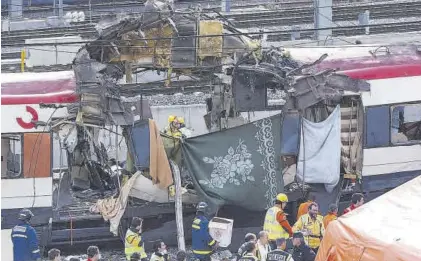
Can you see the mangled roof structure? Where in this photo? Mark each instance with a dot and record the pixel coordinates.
(199, 45)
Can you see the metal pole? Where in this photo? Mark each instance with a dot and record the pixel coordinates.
(60, 8)
(54, 8)
(22, 60)
(323, 19)
(90, 12)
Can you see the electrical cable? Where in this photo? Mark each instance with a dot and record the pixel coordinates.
(97, 42)
(32, 155)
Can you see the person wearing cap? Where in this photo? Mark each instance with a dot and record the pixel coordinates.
(133, 242)
(250, 252)
(24, 239)
(301, 251)
(174, 125)
(279, 254)
(332, 215)
(276, 223)
(202, 242)
(250, 237)
(311, 224)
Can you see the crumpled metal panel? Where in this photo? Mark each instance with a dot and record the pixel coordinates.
(249, 90)
(326, 85)
(210, 46)
(183, 48)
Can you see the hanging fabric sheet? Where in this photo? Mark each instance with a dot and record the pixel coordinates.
(320, 148)
(238, 166)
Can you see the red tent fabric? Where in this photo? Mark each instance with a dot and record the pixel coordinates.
(386, 228)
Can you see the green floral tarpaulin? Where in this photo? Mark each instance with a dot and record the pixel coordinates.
(239, 166)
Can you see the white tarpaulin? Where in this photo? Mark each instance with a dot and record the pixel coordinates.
(320, 146)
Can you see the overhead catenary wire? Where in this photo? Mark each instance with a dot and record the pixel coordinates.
(260, 33)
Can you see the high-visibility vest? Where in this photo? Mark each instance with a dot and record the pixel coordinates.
(316, 227)
(272, 226)
(279, 255)
(248, 257)
(131, 245)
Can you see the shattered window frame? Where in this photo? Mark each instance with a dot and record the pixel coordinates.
(405, 131)
(12, 138)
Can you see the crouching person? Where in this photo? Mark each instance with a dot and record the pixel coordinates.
(133, 242)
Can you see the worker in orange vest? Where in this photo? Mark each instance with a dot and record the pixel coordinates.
(303, 208)
(332, 215)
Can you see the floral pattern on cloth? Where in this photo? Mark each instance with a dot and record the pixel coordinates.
(234, 168)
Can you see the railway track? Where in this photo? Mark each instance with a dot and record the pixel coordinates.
(282, 17)
(296, 16)
(91, 33)
(351, 31)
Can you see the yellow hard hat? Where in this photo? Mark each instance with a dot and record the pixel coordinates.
(282, 197)
(171, 118)
(180, 120)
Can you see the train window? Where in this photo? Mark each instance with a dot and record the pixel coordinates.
(11, 150)
(405, 123)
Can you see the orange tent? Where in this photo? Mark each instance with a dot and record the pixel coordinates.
(386, 228)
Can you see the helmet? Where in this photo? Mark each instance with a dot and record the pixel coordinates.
(180, 120)
(282, 197)
(171, 118)
(202, 206)
(25, 215)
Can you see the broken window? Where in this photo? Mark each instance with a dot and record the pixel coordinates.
(11, 156)
(405, 123)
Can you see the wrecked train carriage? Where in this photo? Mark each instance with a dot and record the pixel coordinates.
(47, 172)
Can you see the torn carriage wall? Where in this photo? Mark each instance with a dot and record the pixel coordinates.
(227, 165)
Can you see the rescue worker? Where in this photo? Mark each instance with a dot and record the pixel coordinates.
(250, 237)
(133, 242)
(276, 223)
(279, 254)
(263, 247)
(202, 242)
(303, 208)
(160, 252)
(250, 252)
(300, 251)
(174, 125)
(311, 225)
(54, 255)
(93, 253)
(357, 200)
(332, 215)
(24, 238)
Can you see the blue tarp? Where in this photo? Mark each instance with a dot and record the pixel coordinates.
(290, 138)
(140, 144)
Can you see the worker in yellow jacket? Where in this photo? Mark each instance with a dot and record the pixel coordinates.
(174, 125)
(276, 223)
(133, 242)
(311, 225)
